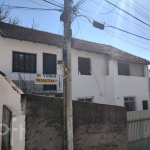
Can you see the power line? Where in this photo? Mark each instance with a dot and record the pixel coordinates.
(128, 13)
(121, 16)
(84, 17)
(80, 30)
(128, 32)
(121, 38)
(28, 8)
(131, 25)
(141, 5)
(39, 3)
(128, 37)
(91, 67)
(52, 3)
(124, 31)
(127, 41)
(112, 8)
(137, 10)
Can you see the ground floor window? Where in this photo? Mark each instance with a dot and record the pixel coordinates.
(129, 103)
(145, 105)
(90, 99)
(49, 87)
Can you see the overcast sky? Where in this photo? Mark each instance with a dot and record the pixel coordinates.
(100, 11)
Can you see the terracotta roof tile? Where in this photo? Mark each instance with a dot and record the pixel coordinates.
(22, 33)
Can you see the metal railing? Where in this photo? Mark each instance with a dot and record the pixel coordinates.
(22, 84)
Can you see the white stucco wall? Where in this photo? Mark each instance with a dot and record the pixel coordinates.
(86, 85)
(111, 85)
(7, 46)
(131, 86)
(9, 97)
(18, 132)
(136, 70)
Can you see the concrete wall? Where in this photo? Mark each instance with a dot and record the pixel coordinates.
(96, 126)
(10, 98)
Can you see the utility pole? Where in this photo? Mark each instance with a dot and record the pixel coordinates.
(68, 117)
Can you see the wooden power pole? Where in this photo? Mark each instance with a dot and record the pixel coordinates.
(68, 118)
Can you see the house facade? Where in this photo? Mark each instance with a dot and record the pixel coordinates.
(100, 73)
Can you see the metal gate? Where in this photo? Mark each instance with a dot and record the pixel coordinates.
(6, 128)
(139, 130)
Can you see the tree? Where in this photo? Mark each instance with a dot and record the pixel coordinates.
(4, 15)
(34, 25)
(14, 21)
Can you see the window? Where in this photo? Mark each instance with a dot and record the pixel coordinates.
(123, 68)
(145, 105)
(84, 66)
(85, 99)
(24, 62)
(129, 102)
(49, 87)
(49, 67)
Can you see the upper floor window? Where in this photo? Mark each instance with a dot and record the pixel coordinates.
(24, 62)
(84, 66)
(123, 68)
(129, 102)
(131, 69)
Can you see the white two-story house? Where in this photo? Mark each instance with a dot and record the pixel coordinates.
(100, 73)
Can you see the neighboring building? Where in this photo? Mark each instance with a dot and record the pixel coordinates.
(100, 73)
(11, 115)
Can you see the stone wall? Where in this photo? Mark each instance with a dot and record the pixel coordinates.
(96, 126)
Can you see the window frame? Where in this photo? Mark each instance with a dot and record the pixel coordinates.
(83, 99)
(125, 63)
(45, 86)
(89, 66)
(24, 63)
(129, 101)
(143, 105)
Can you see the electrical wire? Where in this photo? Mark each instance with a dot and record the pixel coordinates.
(137, 10)
(52, 4)
(84, 17)
(121, 16)
(79, 29)
(128, 13)
(91, 67)
(115, 22)
(127, 41)
(29, 8)
(135, 27)
(141, 5)
(122, 39)
(127, 37)
(128, 32)
(39, 3)
(112, 8)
